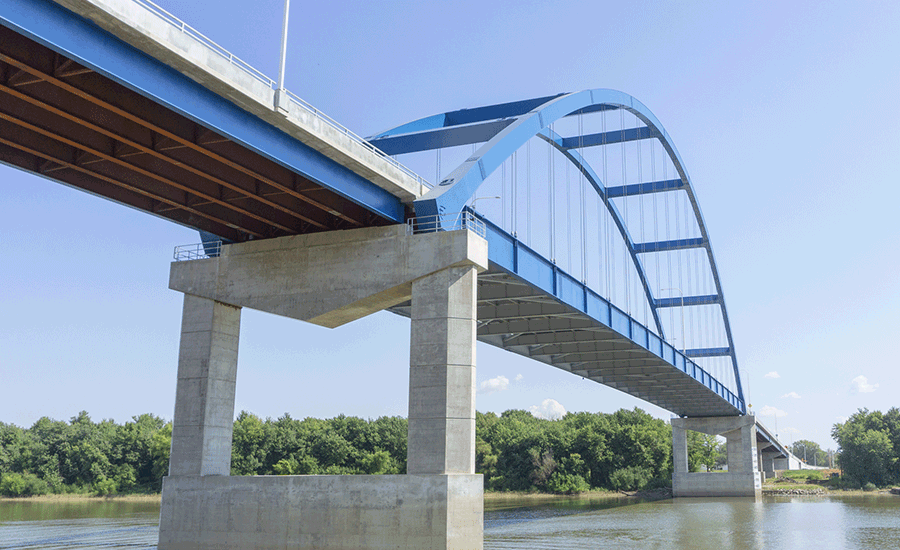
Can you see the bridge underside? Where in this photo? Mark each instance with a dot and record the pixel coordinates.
(521, 318)
(72, 124)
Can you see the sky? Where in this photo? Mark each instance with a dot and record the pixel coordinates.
(786, 116)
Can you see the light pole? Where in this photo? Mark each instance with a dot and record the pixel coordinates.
(476, 199)
(747, 393)
(280, 91)
(683, 342)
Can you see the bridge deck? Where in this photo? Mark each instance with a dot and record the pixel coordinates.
(530, 307)
(82, 107)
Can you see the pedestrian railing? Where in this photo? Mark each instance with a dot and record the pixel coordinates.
(258, 75)
(446, 222)
(198, 251)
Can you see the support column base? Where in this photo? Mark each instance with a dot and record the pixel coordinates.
(322, 512)
(703, 484)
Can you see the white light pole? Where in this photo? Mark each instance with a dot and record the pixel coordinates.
(747, 392)
(476, 199)
(683, 342)
(280, 91)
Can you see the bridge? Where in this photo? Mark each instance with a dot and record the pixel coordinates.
(563, 228)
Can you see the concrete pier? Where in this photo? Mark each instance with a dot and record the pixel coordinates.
(204, 396)
(330, 279)
(742, 478)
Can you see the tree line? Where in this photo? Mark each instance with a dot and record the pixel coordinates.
(624, 450)
(869, 446)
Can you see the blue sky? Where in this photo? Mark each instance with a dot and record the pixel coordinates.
(785, 115)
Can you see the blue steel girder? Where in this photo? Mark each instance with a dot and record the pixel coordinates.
(686, 301)
(663, 246)
(644, 188)
(532, 118)
(708, 352)
(57, 28)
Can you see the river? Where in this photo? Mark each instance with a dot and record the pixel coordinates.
(830, 522)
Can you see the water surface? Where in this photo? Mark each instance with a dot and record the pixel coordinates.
(788, 523)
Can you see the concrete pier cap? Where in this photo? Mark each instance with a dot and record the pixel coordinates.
(330, 279)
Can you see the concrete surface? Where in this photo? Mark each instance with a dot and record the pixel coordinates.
(204, 397)
(328, 279)
(742, 479)
(442, 373)
(422, 512)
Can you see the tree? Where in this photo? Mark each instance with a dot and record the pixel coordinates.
(810, 452)
(868, 454)
(704, 450)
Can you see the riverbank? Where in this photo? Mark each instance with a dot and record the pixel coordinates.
(85, 497)
(494, 500)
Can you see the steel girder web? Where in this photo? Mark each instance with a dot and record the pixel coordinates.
(504, 128)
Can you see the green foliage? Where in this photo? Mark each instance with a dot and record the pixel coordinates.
(810, 452)
(804, 475)
(22, 485)
(567, 483)
(516, 451)
(704, 450)
(869, 486)
(870, 447)
(631, 478)
(104, 487)
(628, 449)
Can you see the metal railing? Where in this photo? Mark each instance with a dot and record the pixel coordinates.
(446, 222)
(197, 251)
(303, 104)
(247, 68)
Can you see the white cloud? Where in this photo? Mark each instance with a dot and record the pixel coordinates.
(518, 377)
(773, 374)
(792, 395)
(550, 409)
(861, 385)
(789, 430)
(499, 383)
(769, 410)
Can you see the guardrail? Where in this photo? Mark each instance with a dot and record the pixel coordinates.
(258, 75)
(197, 251)
(446, 222)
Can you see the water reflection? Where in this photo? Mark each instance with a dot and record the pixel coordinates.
(788, 523)
(721, 524)
(78, 524)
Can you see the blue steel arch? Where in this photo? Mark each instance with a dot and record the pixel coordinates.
(506, 127)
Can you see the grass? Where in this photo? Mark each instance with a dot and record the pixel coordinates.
(804, 475)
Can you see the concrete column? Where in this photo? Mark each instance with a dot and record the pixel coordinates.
(679, 447)
(204, 396)
(768, 463)
(442, 373)
(734, 450)
(741, 479)
(748, 448)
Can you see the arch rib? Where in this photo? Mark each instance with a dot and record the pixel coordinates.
(532, 118)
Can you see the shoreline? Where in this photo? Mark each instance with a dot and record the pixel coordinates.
(499, 497)
(80, 497)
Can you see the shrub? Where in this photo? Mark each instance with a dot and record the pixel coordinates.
(567, 483)
(22, 485)
(631, 478)
(104, 487)
(869, 486)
